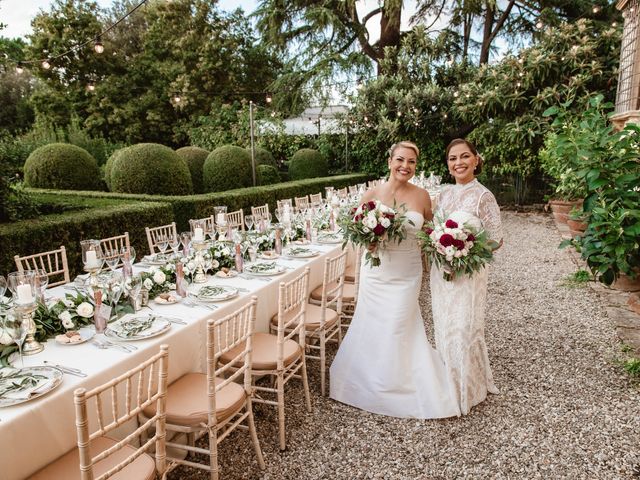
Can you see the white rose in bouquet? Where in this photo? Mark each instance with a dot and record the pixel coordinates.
(385, 222)
(462, 218)
(65, 318)
(159, 277)
(215, 264)
(148, 283)
(68, 303)
(85, 309)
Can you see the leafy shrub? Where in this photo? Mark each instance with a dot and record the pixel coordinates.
(194, 157)
(150, 168)
(263, 157)
(99, 220)
(227, 167)
(307, 163)
(108, 166)
(267, 175)
(61, 166)
(198, 206)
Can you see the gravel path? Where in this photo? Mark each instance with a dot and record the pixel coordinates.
(566, 409)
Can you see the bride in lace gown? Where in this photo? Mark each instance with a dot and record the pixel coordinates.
(385, 363)
(458, 306)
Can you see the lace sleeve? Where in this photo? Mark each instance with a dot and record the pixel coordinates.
(489, 213)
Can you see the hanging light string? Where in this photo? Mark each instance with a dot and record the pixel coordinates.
(97, 40)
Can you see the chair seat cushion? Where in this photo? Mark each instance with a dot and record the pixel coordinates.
(313, 315)
(67, 467)
(264, 354)
(187, 402)
(348, 292)
(350, 274)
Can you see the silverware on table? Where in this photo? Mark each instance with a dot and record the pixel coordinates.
(70, 370)
(103, 344)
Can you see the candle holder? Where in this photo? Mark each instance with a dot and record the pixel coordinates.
(23, 287)
(199, 246)
(92, 260)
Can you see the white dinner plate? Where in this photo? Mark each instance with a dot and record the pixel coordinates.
(301, 252)
(122, 329)
(264, 269)
(268, 255)
(330, 238)
(157, 259)
(86, 333)
(216, 293)
(27, 383)
(160, 301)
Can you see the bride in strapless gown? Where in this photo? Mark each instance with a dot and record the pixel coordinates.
(385, 363)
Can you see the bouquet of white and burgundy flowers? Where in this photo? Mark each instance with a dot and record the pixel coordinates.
(373, 223)
(457, 245)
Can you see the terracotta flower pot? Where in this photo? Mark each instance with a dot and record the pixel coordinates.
(561, 209)
(576, 227)
(627, 284)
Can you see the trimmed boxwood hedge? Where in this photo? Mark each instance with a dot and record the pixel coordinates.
(62, 166)
(267, 175)
(198, 206)
(150, 168)
(194, 157)
(307, 163)
(263, 157)
(99, 218)
(227, 167)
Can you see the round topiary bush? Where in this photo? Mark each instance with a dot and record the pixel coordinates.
(307, 163)
(61, 166)
(263, 157)
(267, 175)
(226, 168)
(109, 166)
(194, 157)
(150, 168)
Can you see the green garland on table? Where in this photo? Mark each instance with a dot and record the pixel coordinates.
(73, 311)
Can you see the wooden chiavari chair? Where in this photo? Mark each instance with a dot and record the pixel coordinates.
(99, 456)
(302, 202)
(259, 212)
(214, 404)
(353, 189)
(53, 262)
(281, 356)
(323, 322)
(153, 234)
(236, 219)
(342, 192)
(115, 244)
(315, 199)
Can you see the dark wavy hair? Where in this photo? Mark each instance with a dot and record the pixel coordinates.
(470, 146)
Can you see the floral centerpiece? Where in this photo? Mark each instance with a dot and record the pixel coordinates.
(159, 279)
(457, 245)
(372, 225)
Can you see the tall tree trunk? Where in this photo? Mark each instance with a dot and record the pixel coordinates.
(486, 33)
(466, 35)
(389, 27)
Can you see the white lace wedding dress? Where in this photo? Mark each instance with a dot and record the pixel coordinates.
(385, 363)
(458, 306)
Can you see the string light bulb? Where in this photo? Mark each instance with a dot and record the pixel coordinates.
(445, 116)
(539, 24)
(455, 94)
(614, 24)
(269, 98)
(91, 86)
(595, 9)
(46, 64)
(177, 98)
(399, 114)
(98, 46)
(19, 68)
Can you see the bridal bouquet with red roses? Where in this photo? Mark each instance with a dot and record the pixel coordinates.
(373, 223)
(457, 245)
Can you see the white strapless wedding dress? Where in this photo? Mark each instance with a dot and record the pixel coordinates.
(385, 363)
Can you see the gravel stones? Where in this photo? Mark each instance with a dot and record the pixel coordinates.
(565, 409)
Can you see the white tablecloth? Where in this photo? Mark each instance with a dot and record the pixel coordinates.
(35, 433)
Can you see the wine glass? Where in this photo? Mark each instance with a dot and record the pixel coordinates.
(3, 286)
(115, 287)
(112, 257)
(248, 220)
(174, 244)
(42, 280)
(267, 219)
(133, 285)
(15, 326)
(162, 243)
(132, 254)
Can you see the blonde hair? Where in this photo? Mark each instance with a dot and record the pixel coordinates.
(404, 144)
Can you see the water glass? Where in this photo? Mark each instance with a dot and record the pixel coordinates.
(174, 244)
(15, 327)
(248, 220)
(42, 280)
(185, 240)
(253, 253)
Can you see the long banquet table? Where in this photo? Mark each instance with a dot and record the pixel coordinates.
(37, 432)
